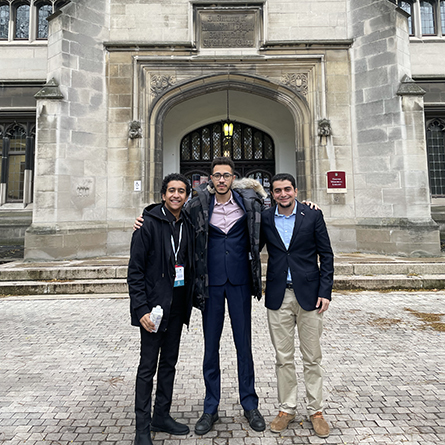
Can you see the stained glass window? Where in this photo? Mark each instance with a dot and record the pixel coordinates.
(43, 12)
(4, 21)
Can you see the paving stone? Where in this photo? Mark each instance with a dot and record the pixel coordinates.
(68, 366)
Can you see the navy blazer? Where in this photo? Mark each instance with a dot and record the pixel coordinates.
(309, 243)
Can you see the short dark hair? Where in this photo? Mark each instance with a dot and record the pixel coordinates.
(175, 177)
(283, 177)
(223, 160)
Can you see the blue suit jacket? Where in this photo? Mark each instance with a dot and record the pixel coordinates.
(228, 254)
(309, 243)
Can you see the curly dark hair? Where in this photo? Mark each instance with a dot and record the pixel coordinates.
(175, 177)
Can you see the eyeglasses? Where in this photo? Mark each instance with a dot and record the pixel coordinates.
(226, 176)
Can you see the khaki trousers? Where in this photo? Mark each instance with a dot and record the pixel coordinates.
(309, 324)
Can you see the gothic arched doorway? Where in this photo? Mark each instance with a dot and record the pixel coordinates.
(252, 150)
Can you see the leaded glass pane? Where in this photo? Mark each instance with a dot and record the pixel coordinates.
(196, 152)
(268, 149)
(258, 145)
(22, 22)
(236, 142)
(248, 150)
(185, 149)
(206, 144)
(407, 6)
(436, 157)
(4, 21)
(442, 15)
(216, 140)
(16, 177)
(18, 139)
(42, 25)
(427, 18)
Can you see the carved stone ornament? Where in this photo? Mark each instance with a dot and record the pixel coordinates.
(324, 128)
(158, 84)
(296, 81)
(135, 130)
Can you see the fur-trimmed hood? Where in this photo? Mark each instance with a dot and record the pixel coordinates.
(242, 184)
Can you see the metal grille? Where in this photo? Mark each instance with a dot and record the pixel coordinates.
(435, 140)
(217, 137)
(251, 149)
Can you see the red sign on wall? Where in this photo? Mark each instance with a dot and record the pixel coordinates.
(336, 182)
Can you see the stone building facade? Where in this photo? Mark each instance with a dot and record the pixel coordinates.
(348, 96)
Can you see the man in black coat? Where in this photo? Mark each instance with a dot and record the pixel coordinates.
(298, 291)
(160, 272)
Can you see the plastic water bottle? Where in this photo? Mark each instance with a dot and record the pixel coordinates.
(156, 317)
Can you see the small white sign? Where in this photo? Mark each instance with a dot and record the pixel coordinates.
(137, 186)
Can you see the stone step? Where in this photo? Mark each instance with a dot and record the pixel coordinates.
(119, 285)
(108, 275)
(48, 272)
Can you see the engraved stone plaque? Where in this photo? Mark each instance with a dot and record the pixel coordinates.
(228, 28)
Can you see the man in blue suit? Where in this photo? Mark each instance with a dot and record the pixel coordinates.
(298, 291)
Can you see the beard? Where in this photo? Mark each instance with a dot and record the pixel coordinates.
(285, 206)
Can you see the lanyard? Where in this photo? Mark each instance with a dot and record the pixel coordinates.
(175, 251)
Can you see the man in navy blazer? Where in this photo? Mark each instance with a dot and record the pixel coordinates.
(299, 282)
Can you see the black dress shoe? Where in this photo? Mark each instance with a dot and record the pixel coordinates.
(168, 425)
(205, 423)
(256, 420)
(143, 439)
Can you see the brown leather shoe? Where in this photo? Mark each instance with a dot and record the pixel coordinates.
(281, 422)
(320, 425)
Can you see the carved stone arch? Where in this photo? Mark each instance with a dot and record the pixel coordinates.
(177, 93)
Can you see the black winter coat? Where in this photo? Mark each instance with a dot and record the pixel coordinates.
(252, 195)
(151, 269)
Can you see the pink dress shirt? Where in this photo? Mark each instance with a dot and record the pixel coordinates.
(225, 215)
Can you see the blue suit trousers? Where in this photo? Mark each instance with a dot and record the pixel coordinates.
(239, 302)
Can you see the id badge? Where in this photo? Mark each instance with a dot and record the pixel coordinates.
(179, 277)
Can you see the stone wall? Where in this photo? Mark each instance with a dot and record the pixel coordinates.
(390, 171)
(70, 191)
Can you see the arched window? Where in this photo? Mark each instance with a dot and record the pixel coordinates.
(16, 167)
(44, 10)
(427, 18)
(17, 144)
(407, 6)
(22, 22)
(4, 20)
(251, 149)
(435, 142)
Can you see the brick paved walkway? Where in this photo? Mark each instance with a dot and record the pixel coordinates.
(67, 370)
